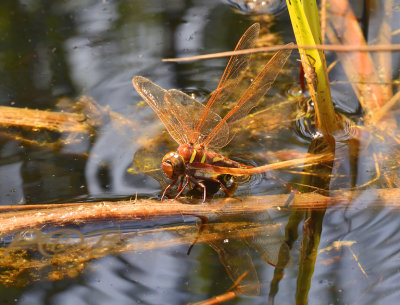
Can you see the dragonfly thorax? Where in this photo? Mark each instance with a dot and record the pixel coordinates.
(173, 165)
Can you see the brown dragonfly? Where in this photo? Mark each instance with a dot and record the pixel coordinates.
(197, 128)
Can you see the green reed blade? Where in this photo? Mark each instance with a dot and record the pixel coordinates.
(306, 27)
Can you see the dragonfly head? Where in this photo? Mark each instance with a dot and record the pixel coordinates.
(173, 165)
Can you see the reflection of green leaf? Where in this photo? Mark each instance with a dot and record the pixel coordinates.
(312, 229)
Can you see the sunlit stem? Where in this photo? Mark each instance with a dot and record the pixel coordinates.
(306, 27)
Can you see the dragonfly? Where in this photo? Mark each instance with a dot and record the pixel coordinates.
(199, 129)
(236, 234)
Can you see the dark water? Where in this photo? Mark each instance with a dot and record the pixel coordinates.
(65, 49)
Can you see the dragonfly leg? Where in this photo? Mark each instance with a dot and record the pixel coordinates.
(180, 184)
(223, 186)
(167, 188)
(290, 199)
(280, 181)
(182, 187)
(195, 181)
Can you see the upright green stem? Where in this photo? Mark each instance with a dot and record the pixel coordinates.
(306, 27)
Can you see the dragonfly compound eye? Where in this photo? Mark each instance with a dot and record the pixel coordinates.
(173, 165)
(168, 169)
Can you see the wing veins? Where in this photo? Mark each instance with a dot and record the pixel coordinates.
(185, 127)
(261, 84)
(154, 97)
(234, 66)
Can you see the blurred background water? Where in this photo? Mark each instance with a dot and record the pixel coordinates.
(64, 49)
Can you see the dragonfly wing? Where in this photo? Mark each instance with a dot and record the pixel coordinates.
(147, 160)
(261, 234)
(231, 76)
(234, 255)
(259, 87)
(154, 96)
(187, 112)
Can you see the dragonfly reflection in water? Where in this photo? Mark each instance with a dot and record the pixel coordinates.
(198, 128)
(233, 237)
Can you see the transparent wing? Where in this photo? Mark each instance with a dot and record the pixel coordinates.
(234, 255)
(187, 112)
(147, 160)
(229, 80)
(259, 87)
(154, 96)
(261, 234)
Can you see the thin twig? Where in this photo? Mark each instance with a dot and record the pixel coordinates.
(336, 48)
(218, 299)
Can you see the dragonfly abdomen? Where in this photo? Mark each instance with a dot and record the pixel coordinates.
(217, 159)
(192, 154)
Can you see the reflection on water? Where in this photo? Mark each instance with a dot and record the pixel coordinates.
(54, 52)
(62, 254)
(258, 6)
(240, 234)
(127, 262)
